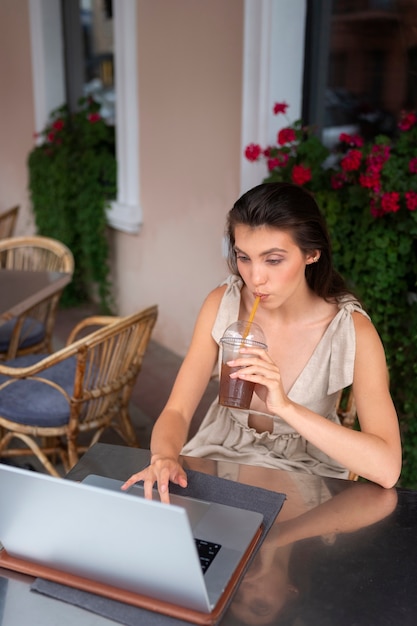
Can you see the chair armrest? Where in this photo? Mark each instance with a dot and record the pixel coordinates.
(43, 363)
(89, 325)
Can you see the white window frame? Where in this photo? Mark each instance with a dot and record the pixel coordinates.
(273, 63)
(125, 213)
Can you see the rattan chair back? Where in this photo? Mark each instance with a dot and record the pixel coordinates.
(8, 221)
(34, 253)
(105, 366)
(346, 411)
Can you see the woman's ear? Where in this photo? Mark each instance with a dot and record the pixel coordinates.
(313, 257)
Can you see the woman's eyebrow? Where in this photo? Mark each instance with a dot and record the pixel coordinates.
(270, 251)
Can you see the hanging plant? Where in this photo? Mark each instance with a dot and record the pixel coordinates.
(72, 179)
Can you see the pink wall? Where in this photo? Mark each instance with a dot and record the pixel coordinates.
(190, 90)
(16, 108)
(190, 93)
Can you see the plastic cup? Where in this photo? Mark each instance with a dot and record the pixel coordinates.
(234, 392)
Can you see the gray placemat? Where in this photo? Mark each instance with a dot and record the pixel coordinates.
(202, 486)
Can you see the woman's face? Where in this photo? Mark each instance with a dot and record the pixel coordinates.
(270, 263)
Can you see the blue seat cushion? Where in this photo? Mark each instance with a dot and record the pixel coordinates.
(32, 331)
(32, 402)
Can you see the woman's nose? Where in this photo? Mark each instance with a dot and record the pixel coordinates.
(258, 276)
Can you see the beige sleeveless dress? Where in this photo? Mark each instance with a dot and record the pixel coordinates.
(224, 434)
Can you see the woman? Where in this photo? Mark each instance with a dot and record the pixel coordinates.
(319, 341)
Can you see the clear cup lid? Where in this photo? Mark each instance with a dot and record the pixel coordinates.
(252, 333)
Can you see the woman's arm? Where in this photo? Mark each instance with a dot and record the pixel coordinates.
(352, 509)
(374, 452)
(171, 428)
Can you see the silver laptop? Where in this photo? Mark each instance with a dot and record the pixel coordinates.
(94, 530)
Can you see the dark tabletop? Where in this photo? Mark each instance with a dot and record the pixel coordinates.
(22, 289)
(340, 553)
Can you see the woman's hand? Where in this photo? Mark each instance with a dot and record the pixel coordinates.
(160, 471)
(259, 368)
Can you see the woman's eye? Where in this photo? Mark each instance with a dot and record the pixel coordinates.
(274, 261)
(242, 258)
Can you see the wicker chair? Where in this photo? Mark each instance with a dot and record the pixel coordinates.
(8, 222)
(59, 405)
(32, 332)
(346, 410)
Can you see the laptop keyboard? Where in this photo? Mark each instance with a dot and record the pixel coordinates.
(206, 551)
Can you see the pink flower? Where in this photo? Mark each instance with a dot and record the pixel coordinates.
(300, 174)
(93, 117)
(411, 200)
(286, 135)
(351, 161)
(412, 166)
(253, 151)
(390, 202)
(280, 107)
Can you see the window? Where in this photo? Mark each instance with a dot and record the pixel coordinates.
(361, 65)
(88, 33)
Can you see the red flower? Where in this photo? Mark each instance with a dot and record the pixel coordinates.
(379, 155)
(286, 135)
(351, 161)
(253, 151)
(280, 160)
(50, 137)
(280, 107)
(338, 180)
(300, 174)
(370, 180)
(407, 120)
(93, 117)
(390, 202)
(351, 140)
(411, 200)
(273, 163)
(412, 166)
(58, 125)
(376, 211)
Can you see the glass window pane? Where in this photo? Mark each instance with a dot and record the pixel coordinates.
(98, 48)
(372, 66)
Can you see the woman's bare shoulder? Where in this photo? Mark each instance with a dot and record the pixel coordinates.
(214, 298)
(367, 338)
(363, 324)
(209, 309)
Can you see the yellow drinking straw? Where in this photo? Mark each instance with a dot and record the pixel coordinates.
(251, 316)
